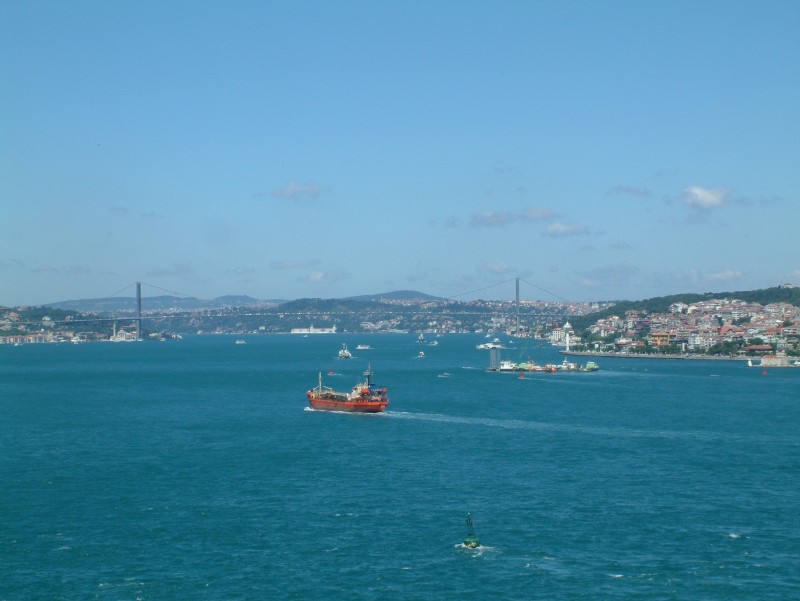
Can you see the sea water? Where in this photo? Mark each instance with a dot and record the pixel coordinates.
(193, 469)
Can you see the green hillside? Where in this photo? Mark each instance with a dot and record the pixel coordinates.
(661, 304)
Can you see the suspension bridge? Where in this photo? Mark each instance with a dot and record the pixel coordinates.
(133, 312)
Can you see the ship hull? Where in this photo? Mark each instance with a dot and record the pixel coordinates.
(359, 406)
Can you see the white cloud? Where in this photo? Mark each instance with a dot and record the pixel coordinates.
(704, 199)
(559, 229)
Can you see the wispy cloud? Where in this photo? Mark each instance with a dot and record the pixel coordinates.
(240, 270)
(639, 191)
(295, 191)
(491, 219)
(537, 214)
(177, 270)
(77, 270)
(506, 170)
(725, 275)
(82, 269)
(559, 229)
(11, 264)
(293, 264)
(499, 268)
(608, 275)
(620, 245)
(325, 277)
(504, 218)
(152, 217)
(704, 199)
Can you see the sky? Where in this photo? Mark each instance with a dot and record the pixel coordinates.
(291, 149)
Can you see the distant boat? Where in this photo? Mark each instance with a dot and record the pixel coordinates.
(489, 345)
(421, 354)
(589, 366)
(421, 338)
(364, 398)
(344, 353)
(471, 541)
(568, 366)
(240, 341)
(363, 347)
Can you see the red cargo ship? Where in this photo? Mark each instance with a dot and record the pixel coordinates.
(364, 398)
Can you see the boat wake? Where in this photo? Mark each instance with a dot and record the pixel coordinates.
(359, 413)
(516, 424)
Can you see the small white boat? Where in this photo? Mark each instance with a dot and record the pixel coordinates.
(240, 341)
(363, 347)
(344, 353)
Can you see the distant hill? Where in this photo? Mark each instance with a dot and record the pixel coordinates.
(118, 304)
(121, 303)
(398, 295)
(661, 304)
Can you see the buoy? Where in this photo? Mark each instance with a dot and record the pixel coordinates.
(471, 541)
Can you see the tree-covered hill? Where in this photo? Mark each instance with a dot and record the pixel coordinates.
(661, 304)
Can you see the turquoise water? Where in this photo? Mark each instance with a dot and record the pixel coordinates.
(193, 470)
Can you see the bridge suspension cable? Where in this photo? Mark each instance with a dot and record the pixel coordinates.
(553, 294)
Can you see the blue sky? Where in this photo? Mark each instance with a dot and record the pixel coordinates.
(597, 150)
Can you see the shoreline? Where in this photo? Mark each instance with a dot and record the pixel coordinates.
(655, 356)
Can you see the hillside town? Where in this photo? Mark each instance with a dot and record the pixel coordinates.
(718, 326)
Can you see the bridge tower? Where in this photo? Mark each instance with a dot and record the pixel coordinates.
(138, 310)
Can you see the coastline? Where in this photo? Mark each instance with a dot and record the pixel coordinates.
(654, 356)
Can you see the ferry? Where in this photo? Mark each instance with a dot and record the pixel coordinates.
(364, 398)
(344, 353)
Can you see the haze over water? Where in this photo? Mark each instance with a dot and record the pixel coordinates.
(193, 470)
